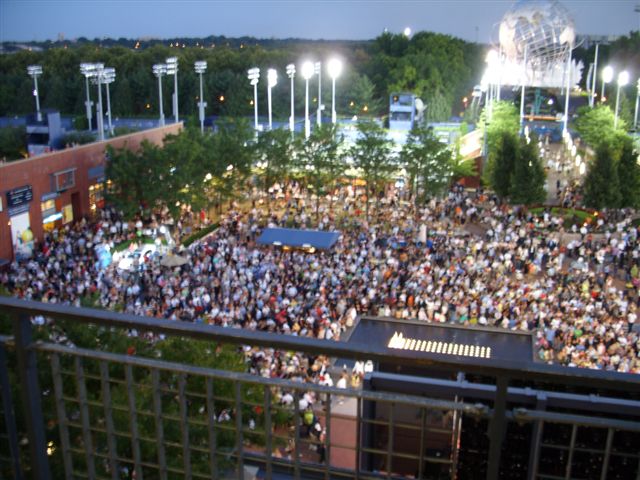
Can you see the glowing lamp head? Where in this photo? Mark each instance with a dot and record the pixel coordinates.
(200, 66)
(159, 69)
(34, 70)
(407, 32)
(335, 68)
(623, 78)
(272, 77)
(307, 70)
(291, 70)
(607, 74)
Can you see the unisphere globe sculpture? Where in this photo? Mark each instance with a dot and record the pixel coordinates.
(544, 28)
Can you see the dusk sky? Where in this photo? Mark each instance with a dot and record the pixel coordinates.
(327, 19)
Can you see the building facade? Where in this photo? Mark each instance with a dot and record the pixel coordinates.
(48, 191)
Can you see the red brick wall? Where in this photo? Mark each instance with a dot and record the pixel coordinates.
(37, 172)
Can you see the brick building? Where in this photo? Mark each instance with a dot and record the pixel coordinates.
(50, 190)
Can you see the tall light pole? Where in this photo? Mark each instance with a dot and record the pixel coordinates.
(635, 116)
(109, 76)
(524, 79)
(172, 69)
(34, 71)
(253, 74)
(160, 69)
(318, 71)
(592, 97)
(291, 73)
(88, 70)
(272, 80)
(307, 73)
(623, 79)
(201, 67)
(99, 72)
(335, 69)
(607, 76)
(566, 100)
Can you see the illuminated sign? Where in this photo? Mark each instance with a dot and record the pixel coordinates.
(399, 342)
(19, 196)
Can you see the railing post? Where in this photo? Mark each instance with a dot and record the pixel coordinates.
(9, 414)
(31, 396)
(497, 428)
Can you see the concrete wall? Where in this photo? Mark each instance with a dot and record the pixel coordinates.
(38, 172)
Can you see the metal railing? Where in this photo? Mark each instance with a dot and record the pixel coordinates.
(70, 412)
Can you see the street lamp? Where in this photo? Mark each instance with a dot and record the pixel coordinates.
(172, 69)
(607, 76)
(335, 69)
(253, 74)
(307, 73)
(623, 79)
(291, 73)
(201, 67)
(272, 80)
(407, 32)
(318, 71)
(635, 117)
(88, 70)
(160, 69)
(109, 76)
(34, 71)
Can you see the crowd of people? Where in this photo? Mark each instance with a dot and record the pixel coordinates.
(464, 259)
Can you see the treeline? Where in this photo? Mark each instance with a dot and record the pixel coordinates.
(438, 68)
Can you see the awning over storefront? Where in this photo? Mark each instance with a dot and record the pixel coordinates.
(289, 237)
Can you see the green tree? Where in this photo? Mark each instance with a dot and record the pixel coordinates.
(596, 126)
(500, 167)
(371, 154)
(601, 185)
(629, 176)
(528, 177)
(274, 150)
(321, 162)
(13, 143)
(427, 161)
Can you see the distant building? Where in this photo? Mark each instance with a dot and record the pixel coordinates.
(42, 136)
(402, 111)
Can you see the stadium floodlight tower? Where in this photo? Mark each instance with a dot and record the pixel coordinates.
(34, 71)
(623, 79)
(318, 71)
(201, 67)
(335, 69)
(88, 70)
(172, 69)
(307, 73)
(272, 80)
(97, 78)
(253, 74)
(291, 73)
(160, 69)
(607, 76)
(108, 77)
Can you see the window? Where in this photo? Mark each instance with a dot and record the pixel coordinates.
(65, 180)
(48, 208)
(96, 196)
(67, 214)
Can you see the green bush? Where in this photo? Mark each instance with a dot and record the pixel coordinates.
(199, 234)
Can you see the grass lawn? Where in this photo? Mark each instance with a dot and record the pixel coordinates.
(571, 215)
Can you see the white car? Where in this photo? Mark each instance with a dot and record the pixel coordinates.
(142, 254)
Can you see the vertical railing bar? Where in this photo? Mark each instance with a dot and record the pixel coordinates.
(607, 454)
(9, 415)
(211, 411)
(84, 415)
(135, 440)
(296, 423)
(62, 416)
(184, 426)
(108, 415)
(267, 430)
(390, 440)
(31, 396)
(157, 411)
(239, 435)
(497, 427)
(457, 429)
(572, 445)
(327, 438)
(538, 427)
(358, 435)
(423, 421)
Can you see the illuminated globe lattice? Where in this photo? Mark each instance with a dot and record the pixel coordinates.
(542, 28)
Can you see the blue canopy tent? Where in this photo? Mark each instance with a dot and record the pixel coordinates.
(290, 237)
